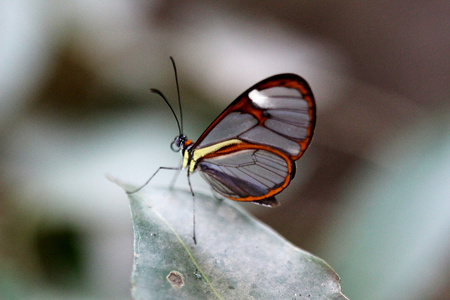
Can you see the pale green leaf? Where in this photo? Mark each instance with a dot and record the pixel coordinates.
(236, 256)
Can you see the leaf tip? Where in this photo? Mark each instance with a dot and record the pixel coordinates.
(126, 187)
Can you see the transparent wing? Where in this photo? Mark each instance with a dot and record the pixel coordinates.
(253, 174)
(278, 112)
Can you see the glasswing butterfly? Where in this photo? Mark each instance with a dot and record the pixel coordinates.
(248, 152)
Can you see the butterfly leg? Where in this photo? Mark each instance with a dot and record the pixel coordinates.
(193, 208)
(151, 177)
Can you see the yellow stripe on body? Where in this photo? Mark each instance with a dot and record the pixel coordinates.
(199, 153)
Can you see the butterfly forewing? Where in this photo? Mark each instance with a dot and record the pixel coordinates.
(278, 112)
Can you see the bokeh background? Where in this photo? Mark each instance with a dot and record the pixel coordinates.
(371, 195)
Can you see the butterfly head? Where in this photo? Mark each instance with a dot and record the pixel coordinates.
(181, 142)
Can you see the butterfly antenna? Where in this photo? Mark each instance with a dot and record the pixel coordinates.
(178, 92)
(170, 106)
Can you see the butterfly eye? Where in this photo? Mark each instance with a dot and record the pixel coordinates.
(175, 145)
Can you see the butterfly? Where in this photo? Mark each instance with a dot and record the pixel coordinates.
(248, 152)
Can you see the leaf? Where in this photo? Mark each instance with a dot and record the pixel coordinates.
(236, 256)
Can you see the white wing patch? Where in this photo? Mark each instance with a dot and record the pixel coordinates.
(278, 98)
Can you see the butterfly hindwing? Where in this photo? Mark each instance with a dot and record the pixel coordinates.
(250, 174)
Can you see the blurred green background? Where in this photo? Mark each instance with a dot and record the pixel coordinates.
(371, 195)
